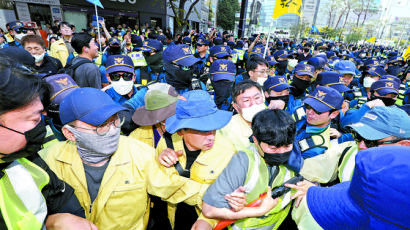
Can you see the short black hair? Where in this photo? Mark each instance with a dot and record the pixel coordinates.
(274, 127)
(254, 61)
(19, 86)
(64, 23)
(80, 40)
(240, 87)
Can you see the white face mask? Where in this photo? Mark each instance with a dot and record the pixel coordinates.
(122, 87)
(368, 81)
(19, 36)
(292, 63)
(261, 80)
(250, 112)
(39, 58)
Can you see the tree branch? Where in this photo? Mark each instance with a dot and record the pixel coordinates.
(190, 9)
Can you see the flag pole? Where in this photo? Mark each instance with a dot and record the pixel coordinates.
(98, 27)
(267, 40)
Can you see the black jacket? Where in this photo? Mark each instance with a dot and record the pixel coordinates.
(49, 65)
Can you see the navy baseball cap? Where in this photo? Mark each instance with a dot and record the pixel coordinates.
(275, 83)
(280, 54)
(271, 60)
(376, 71)
(333, 80)
(375, 198)
(136, 40)
(371, 62)
(114, 41)
(207, 118)
(383, 121)
(186, 40)
(60, 85)
(202, 41)
(151, 45)
(88, 105)
(383, 87)
(324, 99)
(223, 69)
(317, 62)
(239, 43)
(220, 51)
(162, 38)
(258, 50)
(304, 69)
(16, 25)
(323, 56)
(396, 80)
(180, 55)
(119, 63)
(395, 59)
(345, 67)
(218, 41)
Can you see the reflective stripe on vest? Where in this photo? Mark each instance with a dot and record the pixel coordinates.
(316, 140)
(348, 163)
(240, 53)
(138, 59)
(21, 201)
(299, 114)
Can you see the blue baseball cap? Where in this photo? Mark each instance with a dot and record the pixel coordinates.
(16, 25)
(114, 41)
(88, 105)
(375, 198)
(383, 121)
(395, 59)
(220, 51)
(324, 99)
(136, 40)
(186, 40)
(258, 50)
(218, 41)
(207, 117)
(223, 69)
(304, 69)
(60, 86)
(180, 55)
(239, 43)
(333, 80)
(396, 80)
(162, 38)
(275, 83)
(317, 62)
(202, 41)
(271, 60)
(376, 71)
(151, 45)
(384, 86)
(281, 54)
(323, 56)
(122, 63)
(345, 67)
(348, 57)
(371, 62)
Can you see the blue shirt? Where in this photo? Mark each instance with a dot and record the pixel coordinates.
(117, 98)
(308, 131)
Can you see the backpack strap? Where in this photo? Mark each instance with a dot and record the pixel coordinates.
(178, 167)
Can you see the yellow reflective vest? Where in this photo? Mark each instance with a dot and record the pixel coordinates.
(131, 174)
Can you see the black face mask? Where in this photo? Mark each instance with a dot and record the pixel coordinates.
(179, 77)
(306, 50)
(281, 67)
(34, 138)
(155, 61)
(300, 84)
(222, 91)
(386, 100)
(284, 98)
(276, 159)
(394, 70)
(115, 50)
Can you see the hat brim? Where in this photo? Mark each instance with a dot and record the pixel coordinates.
(368, 132)
(144, 117)
(221, 55)
(120, 68)
(340, 87)
(317, 105)
(280, 87)
(272, 63)
(385, 91)
(222, 76)
(114, 43)
(188, 61)
(333, 207)
(209, 122)
(146, 49)
(304, 73)
(102, 114)
(347, 72)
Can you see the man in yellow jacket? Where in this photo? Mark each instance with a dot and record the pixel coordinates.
(111, 174)
(62, 48)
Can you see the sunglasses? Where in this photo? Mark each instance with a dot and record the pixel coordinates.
(117, 76)
(21, 31)
(308, 107)
(373, 143)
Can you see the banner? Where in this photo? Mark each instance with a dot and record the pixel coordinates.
(314, 29)
(372, 40)
(406, 54)
(287, 6)
(96, 2)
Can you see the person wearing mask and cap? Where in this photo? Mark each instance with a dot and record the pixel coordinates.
(194, 148)
(45, 64)
(17, 31)
(180, 68)
(120, 74)
(375, 198)
(188, 41)
(136, 54)
(96, 156)
(202, 46)
(272, 64)
(319, 64)
(222, 74)
(348, 69)
(281, 56)
(277, 94)
(256, 170)
(395, 66)
(257, 70)
(306, 52)
(303, 77)
(154, 71)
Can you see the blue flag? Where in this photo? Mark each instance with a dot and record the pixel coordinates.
(96, 2)
(314, 29)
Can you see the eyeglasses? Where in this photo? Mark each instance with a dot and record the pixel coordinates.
(103, 129)
(308, 107)
(21, 31)
(125, 75)
(373, 143)
(262, 71)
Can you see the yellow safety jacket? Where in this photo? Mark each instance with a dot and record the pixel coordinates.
(256, 183)
(144, 134)
(131, 174)
(21, 203)
(240, 53)
(205, 169)
(346, 168)
(59, 50)
(238, 132)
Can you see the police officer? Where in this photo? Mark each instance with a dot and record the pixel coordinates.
(17, 31)
(222, 74)
(154, 71)
(277, 95)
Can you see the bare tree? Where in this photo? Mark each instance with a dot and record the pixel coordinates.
(331, 9)
(370, 10)
(348, 4)
(358, 9)
(181, 16)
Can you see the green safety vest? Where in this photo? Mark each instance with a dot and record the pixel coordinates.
(401, 95)
(137, 58)
(137, 32)
(21, 202)
(234, 57)
(346, 168)
(257, 180)
(241, 54)
(50, 137)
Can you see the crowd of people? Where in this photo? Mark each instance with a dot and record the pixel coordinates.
(142, 129)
